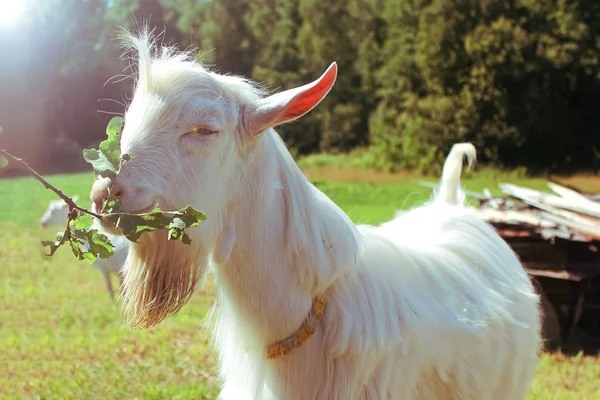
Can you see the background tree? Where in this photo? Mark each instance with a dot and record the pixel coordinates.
(519, 78)
(507, 75)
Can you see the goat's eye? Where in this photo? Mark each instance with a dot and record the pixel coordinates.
(201, 131)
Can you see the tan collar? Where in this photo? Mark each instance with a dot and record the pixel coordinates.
(308, 328)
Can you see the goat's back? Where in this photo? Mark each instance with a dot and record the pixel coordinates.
(446, 311)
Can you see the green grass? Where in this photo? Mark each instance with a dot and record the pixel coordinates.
(358, 158)
(365, 202)
(62, 338)
(365, 158)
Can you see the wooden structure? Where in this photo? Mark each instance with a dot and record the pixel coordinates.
(557, 237)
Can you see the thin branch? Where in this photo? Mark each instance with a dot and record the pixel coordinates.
(24, 166)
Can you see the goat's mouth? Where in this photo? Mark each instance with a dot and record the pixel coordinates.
(112, 224)
(123, 208)
(143, 210)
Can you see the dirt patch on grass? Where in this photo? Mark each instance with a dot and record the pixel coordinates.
(586, 182)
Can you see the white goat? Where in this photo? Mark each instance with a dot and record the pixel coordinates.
(433, 305)
(57, 214)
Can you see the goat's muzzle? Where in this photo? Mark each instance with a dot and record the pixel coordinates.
(99, 193)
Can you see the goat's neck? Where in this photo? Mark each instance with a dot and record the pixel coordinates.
(262, 292)
(261, 281)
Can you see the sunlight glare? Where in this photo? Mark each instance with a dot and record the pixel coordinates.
(11, 11)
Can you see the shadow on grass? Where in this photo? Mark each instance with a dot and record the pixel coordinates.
(578, 342)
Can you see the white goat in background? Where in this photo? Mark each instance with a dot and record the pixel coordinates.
(57, 214)
(432, 305)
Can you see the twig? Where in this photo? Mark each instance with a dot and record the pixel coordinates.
(24, 166)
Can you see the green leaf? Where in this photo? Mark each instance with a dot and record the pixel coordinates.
(61, 238)
(99, 244)
(77, 249)
(191, 216)
(176, 228)
(177, 223)
(113, 129)
(102, 165)
(186, 239)
(133, 225)
(84, 221)
(89, 256)
(107, 159)
(111, 147)
(111, 205)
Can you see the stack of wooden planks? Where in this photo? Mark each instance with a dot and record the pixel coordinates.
(565, 213)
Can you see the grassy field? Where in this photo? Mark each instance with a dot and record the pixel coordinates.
(61, 337)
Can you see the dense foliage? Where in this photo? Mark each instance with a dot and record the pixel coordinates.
(519, 78)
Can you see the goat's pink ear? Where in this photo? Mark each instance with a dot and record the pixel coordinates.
(290, 104)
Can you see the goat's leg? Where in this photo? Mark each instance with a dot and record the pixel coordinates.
(109, 286)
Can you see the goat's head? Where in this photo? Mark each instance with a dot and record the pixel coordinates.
(192, 133)
(56, 213)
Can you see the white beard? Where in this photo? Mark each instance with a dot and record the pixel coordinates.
(159, 278)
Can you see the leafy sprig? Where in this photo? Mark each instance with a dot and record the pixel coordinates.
(88, 243)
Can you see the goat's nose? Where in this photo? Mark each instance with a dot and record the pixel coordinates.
(117, 190)
(99, 192)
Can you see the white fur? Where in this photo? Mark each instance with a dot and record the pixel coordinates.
(57, 214)
(449, 189)
(431, 305)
